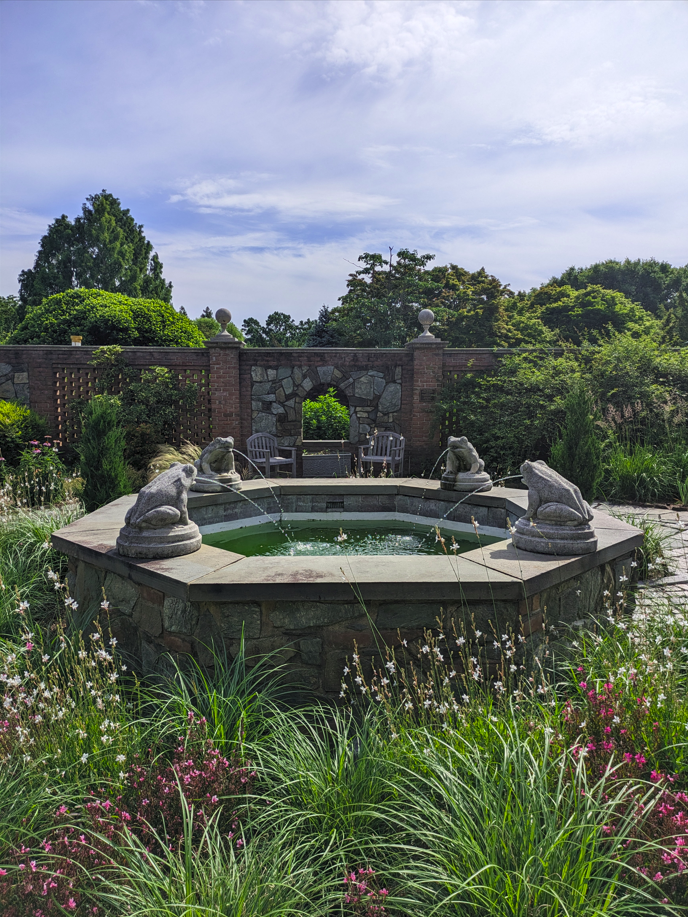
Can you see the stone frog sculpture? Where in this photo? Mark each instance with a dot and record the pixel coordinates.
(461, 453)
(553, 499)
(158, 524)
(215, 467)
(460, 449)
(557, 520)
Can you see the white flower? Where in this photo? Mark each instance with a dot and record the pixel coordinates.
(478, 633)
(346, 669)
(460, 641)
(45, 657)
(616, 720)
(390, 667)
(95, 636)
(120, 758)
(425, 648)
(465, 698)
(105, 605)
(84, 758)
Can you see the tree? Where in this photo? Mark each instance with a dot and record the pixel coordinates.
(325, 417)
(101, 453)
(324, 331)
(577, 454)
(383, 299)
(575, 315)
(103, 249)
(209, 327)
(653, 284)
(106, 318)
(279, 330)
(9, 316)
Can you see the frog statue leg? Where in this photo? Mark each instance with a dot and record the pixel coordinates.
(533, 503)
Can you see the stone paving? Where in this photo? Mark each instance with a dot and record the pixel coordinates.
(674, 523)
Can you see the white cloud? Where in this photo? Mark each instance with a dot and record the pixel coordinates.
(309, 202)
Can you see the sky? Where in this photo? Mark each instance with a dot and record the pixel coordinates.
(265, 145)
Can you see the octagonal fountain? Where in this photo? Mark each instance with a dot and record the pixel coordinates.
(416, 552)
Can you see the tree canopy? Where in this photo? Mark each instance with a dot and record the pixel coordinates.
(103, 249)
(279, 330)
(653, 284)
(106, 318)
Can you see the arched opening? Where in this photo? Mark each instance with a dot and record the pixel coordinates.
(326, 421)
(325, 415)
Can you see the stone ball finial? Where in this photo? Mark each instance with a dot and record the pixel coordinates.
(224, 317)
(426, 318)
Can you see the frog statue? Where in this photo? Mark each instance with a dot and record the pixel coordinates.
(158, 524)
(215, 467)
(557, 520)
(459, 454)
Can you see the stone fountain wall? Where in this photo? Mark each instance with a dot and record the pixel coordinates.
(277, 394)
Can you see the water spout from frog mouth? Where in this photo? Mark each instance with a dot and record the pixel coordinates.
(487, 484)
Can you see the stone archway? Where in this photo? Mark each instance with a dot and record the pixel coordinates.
(277, 395)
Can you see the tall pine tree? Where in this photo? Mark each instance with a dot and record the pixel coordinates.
(577, 454)
(103, 249)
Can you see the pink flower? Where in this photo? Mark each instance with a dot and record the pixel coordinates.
(71, 904)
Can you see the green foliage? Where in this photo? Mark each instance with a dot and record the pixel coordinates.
(40, 477)
(18, 425)
(101, 453)
(106, 318)
(577, 453)
(576, 315)
(325, 418)
(26, 553)
(9, 316)
(653, 284)
(638, 473)
(102, 249)
(209, 327)
(383, 298)
(279, 330)
(150, 403)
(515, 412)
(323, 332)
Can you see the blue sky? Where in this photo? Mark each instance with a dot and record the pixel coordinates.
(265, 145)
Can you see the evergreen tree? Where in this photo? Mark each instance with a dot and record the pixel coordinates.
(324, 332)
(103, 249)
(577, 454)
(101, 453)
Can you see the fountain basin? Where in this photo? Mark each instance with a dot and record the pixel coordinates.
(308, 608)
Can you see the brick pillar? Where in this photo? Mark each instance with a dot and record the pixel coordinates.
(225, 399)
(423, 441)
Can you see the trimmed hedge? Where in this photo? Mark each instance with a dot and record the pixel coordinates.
(106, 318)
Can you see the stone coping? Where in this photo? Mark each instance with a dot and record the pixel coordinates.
(211, 574)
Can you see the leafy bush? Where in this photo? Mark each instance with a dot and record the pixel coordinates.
(40, 477)
(636, 472)
(106, 318)
(18, 425)
(577, 454)
(325, 418)
(101, 453)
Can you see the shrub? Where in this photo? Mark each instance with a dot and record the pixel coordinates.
(101, 453)
(40, 477)
(325, 418)
(577, 454)
(18, 425)
(106, 318)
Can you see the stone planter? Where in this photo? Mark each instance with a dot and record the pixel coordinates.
(327, 465)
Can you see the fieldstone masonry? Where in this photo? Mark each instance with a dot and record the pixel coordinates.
(14, 384)
(277, 395)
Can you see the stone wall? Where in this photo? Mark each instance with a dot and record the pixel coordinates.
(277, 395)
(315, 639)
(14, 383)
(246, 390)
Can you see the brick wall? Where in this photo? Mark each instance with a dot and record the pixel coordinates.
(222, 370)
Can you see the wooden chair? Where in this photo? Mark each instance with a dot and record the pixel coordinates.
(384, 450)
(263, 449)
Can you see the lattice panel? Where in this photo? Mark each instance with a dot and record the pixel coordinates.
(78, 383)
(450, 422)
(195, 425)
